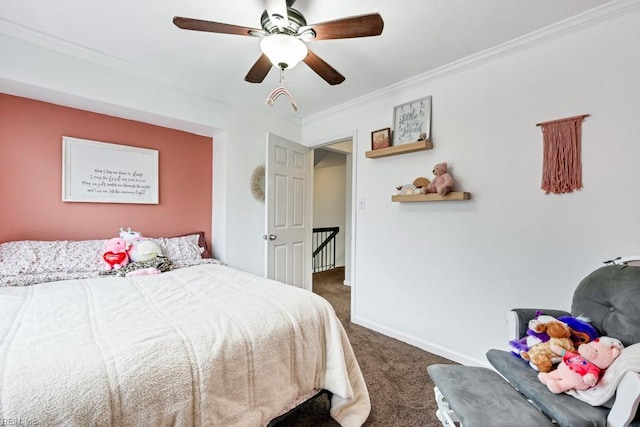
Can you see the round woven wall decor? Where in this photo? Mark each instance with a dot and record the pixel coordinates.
(257, 183)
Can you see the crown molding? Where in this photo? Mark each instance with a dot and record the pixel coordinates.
(560, 29)
(48, 41)
(574, 24)
(65, 47)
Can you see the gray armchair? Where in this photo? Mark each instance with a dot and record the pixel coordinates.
(610, 298)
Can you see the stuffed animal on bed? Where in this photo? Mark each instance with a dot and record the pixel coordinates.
(129, 234)
(140, 249)
(540, 356)
(115, 253)
(582, 370)
(144, 250)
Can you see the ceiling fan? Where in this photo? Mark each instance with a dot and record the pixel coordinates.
(284, 35)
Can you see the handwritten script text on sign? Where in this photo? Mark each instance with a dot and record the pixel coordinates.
(120, 182)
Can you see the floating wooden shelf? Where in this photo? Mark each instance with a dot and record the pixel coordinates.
(400, 149)
(432, 197)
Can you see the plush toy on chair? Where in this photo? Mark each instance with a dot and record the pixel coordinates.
(540, 356)
(443, 182)
(581, 371)
(582, 331)
(115, 253)
(536, 334)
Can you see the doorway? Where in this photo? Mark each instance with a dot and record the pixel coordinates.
(332, 209)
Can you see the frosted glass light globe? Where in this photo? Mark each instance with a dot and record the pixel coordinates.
(284, 51)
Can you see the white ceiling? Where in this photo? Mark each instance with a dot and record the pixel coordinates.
(418, 36)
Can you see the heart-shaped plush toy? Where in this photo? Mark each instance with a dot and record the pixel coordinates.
(115, 253)
(113, 258)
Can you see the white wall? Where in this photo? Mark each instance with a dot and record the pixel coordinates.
(245, 216)
(329, 204)
(443, 275)
(100, 84)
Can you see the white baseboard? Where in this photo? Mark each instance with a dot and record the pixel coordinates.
(424, 345)
(347, 283)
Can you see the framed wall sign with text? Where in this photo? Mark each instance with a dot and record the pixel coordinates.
(101, 172)
(412, 119)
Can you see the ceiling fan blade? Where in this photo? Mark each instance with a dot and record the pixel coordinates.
(259, 71)
(277, 11)
(324, 70)
(213, 27)
(351, 27)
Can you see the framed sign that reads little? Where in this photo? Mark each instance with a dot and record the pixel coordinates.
(412, 120)
(101, 172)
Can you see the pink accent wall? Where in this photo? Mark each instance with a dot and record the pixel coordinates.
(31, 204)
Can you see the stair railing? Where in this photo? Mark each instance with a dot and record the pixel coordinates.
(324, 248)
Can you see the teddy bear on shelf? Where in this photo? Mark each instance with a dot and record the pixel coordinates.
(443, 182)
(540, 356)
(115, 253)
(582, 370)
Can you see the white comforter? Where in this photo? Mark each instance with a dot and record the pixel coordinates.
(205, 345)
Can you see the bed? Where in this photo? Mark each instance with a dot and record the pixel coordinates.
(204, 344)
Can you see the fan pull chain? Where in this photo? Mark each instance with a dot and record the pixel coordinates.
(281, 90)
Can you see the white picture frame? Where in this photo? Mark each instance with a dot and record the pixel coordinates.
(412, 119)
(101, 172)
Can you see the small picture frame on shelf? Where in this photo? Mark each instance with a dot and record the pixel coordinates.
(412, 121)
(381, 138)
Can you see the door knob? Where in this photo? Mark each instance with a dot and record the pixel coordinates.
(270, 237)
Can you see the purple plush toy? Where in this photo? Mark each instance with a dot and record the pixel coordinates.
(582, 331)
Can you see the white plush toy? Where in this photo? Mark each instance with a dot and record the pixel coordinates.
(140, 249)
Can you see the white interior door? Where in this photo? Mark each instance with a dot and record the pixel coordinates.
(288, 204)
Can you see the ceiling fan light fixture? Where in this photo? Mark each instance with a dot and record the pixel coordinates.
(284, 51)
(277, 11)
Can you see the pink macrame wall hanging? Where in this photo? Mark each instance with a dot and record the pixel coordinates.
(562, 164)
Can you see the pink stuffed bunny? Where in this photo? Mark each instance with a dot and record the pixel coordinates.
(581, 371)
(115, 253)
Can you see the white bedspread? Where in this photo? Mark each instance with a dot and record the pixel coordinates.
(205, 345)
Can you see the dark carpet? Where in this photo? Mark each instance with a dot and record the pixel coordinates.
(400, 389)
